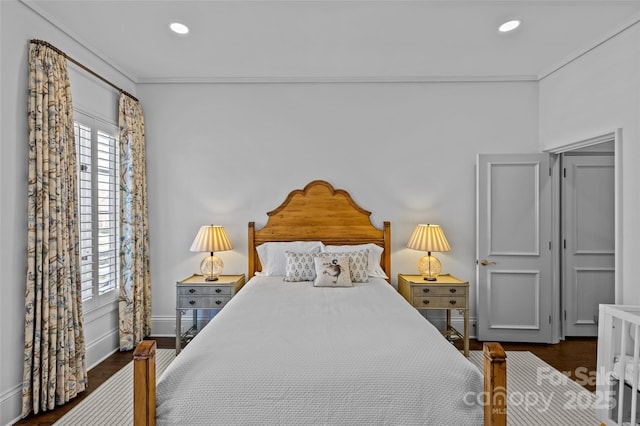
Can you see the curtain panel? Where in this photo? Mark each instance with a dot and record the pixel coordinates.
(55, 368)
(135, 282)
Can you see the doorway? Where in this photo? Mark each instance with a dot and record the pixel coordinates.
(523, 293)
(587, 236)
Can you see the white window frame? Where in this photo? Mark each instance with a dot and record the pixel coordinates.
(91, 270)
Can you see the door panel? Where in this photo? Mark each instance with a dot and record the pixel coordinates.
(505, 287)
(514, 219)
(513, 248)
(589, 242)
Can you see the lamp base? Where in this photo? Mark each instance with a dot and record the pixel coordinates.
(429, 267)
(211, 267)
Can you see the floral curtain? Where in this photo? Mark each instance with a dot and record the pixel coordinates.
(55, 369)
(135, 282)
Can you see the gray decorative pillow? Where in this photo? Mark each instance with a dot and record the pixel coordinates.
(358, 264)
(299, 267)
(332, 271)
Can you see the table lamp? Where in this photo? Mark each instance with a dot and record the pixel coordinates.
(429, 238)
(211, 239)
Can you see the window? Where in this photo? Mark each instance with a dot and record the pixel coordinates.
(99, 209)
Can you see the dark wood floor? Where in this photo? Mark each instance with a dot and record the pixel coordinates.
(575, 357)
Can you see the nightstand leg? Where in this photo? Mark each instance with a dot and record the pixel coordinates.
(195, 319)
(448, 321)
(466, 332)
(178, 329)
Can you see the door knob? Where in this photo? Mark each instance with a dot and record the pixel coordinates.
(485, 262)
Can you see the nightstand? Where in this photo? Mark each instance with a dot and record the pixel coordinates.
(195, 293)
(447, 292)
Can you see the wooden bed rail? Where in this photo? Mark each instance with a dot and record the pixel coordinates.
(144, 384)
(495, 384)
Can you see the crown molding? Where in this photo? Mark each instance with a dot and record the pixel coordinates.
(630, 22)
(337, 79)
(82, 42)
(634, 20)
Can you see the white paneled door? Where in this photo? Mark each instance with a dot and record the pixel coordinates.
(514, 269)
(588, 240)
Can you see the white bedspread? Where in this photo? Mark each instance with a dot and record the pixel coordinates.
(284, 353)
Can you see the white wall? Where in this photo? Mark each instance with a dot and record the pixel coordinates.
(226, 154)
(18, 25)
(596, 94)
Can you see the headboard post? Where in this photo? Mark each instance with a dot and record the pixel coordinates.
(386, 254)
(252, 249)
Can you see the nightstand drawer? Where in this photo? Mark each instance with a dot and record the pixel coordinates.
(438, 290)
(204, 290)
(440, 302)
(202, 302)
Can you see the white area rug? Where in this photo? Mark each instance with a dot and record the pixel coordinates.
(112, 402)
(537, 395)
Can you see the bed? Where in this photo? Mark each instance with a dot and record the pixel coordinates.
(289, 350)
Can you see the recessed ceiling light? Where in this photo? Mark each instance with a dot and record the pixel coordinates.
(179, 28)
(509, 26)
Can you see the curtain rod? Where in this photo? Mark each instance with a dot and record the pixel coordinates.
(90, 71)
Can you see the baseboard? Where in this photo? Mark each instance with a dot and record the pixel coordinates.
(10, 405)
(102, 348)
(163, 325)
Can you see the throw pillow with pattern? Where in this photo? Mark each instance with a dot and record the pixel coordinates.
(300, 266)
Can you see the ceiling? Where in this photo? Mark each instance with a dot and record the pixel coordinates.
(337, 40)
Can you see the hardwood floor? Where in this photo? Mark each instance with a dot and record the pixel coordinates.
(574, 356)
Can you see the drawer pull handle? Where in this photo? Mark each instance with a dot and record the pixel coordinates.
(192, 290)
(426, 301)
(426, 290)
(453, 302)
(218, 290)
(218, 302)
(192, 302)
(452, 290)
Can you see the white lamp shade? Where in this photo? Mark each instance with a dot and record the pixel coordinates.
(211, 238)
(428, 238)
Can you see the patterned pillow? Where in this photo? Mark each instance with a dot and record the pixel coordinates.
(358, 264)
(299, 266)
(332, 271)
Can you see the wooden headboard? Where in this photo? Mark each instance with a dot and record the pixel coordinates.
(318, 212)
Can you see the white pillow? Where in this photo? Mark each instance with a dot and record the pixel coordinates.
(375, 253)
(332, 271)
(273, 259)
